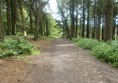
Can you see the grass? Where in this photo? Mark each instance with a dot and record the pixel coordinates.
(36, 52)
(106, 51)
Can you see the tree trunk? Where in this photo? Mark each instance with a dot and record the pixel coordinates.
(72, 10)
(103, 29)
(22, 17)
(94, 28)
(114, 29)
(30, 15)
(99, 20)
(1, 28)
(83, 28)
(13, 16)
(40, 29)
(76, 21)
(109, 19)
(76, 28)
(65, 21)
(36, 24)
(46, 25)
(88, 17)
(8, 17)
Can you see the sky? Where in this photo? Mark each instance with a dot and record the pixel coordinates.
(52, 8)
(53, 5)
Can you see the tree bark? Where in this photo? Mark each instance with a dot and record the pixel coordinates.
(94, 28)
(109, 19)
(88, 17)
(99, 20)
(72, 16)
(13, 16)
(30, 15)
(36, 24)
(83, 28)
(8, 17)
(22, 17)
(1, 28)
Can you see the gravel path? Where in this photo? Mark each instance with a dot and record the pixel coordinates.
(63, 62)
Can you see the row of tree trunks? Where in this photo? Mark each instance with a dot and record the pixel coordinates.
(103, 10)
(34, 8)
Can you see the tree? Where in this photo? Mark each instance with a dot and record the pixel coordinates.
(22, 17)
(1, 28)
(109, 19)
(30, 15)
(8, 17)
(83, 27)
(13, 16)
(99, 15)
(88, 18)
(94, 17)
(36, 8)
(72, 16)
(65, 23)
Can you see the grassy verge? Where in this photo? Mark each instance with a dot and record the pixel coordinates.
(17, 47)
(106, 51)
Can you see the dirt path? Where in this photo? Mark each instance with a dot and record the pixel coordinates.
(61, 62)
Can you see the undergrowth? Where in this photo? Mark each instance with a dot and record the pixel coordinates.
(107, 51)
(13, 46)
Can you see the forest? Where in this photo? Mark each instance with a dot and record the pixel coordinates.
(31, 27)
(95, 19)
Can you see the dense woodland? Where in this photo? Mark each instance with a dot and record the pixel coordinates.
(24, 18)
(85, 18)
(95, 19)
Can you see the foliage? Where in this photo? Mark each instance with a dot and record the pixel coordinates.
(54, 29)
(11, 46)
(102, 50)
(86, 43)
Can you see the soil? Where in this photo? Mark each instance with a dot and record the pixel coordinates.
(60, 62)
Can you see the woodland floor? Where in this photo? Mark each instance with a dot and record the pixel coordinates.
(60, 62)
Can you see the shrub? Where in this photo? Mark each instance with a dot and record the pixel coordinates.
(86, 43)
(114, 46)
(107, 51)
(15, 46)
(101, 50)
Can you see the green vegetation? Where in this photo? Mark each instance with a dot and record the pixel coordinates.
(12, 46)
(86, 43)
(107, 52)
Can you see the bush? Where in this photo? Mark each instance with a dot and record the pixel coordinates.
(101, 50)
(15, 46)
(86, 43)
(107, 51)
(114, 46)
